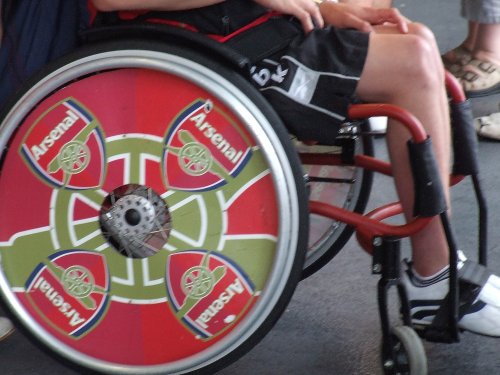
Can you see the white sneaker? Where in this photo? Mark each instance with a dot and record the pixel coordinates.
(426, 294)
(6, 328)
(488, 126)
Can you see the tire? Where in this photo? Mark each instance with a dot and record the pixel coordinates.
(134, 243)
(349, 187)
(409, 353)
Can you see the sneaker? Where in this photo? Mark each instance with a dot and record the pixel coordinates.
(426, 294)
(488, 126)
(6, 328)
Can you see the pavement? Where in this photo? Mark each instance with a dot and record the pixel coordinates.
(331, 326)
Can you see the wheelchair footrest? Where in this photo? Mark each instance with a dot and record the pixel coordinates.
(442, 335)
(472, 277)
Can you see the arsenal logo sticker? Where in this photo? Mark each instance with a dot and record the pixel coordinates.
(65, 147)
(207, 291)
(70, 290)
(203, 149)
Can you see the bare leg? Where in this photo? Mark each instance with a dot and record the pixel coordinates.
(456, 55)
(415, 83)
(487, 45)
(470, 41)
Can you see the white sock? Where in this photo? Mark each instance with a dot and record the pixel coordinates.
(424, 281)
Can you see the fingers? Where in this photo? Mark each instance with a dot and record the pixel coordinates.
(392, 15)
(399, 20)
(317, 17)
(309, 15)
(305, 20)
(306, 11)
(353, 22)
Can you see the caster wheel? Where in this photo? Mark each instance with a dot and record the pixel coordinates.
(407, 354)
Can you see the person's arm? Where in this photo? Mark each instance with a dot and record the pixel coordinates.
(111, 5)
(362, 18)
(382, 3)
(305, 10)
(370, 3)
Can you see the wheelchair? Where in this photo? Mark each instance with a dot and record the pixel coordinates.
(171, 214)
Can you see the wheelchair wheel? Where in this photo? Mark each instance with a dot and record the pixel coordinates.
(408, 354)
(340, 184)
(154, 217)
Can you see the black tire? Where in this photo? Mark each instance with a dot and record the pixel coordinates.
(251, 119)
(327, 237)
(409, 353)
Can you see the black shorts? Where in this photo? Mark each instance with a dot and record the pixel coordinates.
(309, 79)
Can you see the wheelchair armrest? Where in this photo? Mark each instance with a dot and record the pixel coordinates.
(465, 145)
(429, 193)
(169, 34)
(464, 139)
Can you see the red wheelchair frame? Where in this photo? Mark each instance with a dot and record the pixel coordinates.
(381, 240)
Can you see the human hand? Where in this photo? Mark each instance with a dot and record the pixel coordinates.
(306, 11)
(361, 18)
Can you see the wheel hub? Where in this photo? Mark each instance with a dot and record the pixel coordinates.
(135, 220)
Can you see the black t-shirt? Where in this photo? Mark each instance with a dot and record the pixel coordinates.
(36, 32)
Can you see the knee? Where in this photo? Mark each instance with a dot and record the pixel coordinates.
(422, 64)
(422, 31)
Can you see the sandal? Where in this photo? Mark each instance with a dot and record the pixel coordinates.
(488, 126)
(456, 58)
(480, 78)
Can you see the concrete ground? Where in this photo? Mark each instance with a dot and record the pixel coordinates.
(331, 326)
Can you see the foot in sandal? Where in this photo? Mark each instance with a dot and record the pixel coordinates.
(455, 59)
(480, 78)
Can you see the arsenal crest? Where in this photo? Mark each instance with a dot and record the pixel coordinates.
(65, 147)
(70, 290)
(203, 149)
(207, 291)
